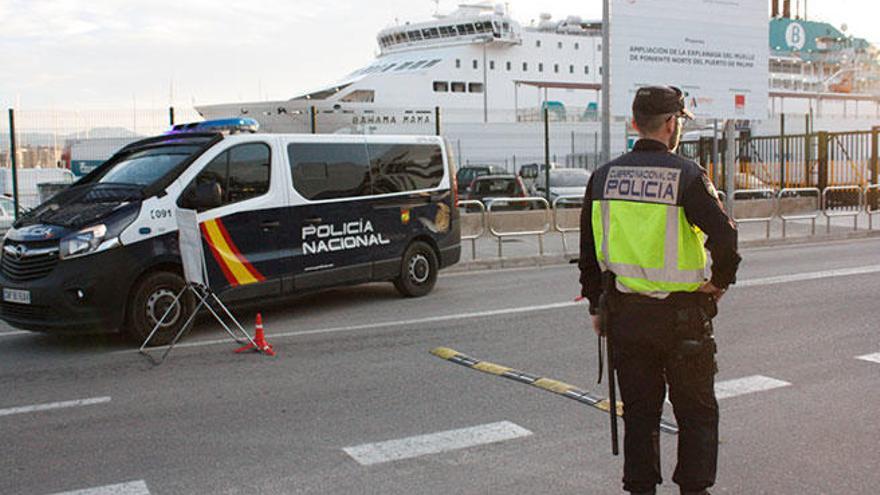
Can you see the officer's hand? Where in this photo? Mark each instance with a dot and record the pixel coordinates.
(713, 291)
(597, 324)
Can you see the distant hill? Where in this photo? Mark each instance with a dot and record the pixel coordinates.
(49, 139)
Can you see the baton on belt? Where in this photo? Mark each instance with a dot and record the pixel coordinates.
(605, 330)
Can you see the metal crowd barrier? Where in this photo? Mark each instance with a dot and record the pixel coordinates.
(473, 237)
(848, 211)
(566, 199)
(519, 233)
(875, 210)
(766, 194)
(796, 193)
(868, 202)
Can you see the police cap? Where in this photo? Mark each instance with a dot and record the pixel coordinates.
(660, 100)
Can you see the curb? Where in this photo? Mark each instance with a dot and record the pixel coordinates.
(537, 261)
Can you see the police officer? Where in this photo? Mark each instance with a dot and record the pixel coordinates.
(644, 219)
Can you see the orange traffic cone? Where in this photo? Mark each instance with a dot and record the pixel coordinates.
(259, 340)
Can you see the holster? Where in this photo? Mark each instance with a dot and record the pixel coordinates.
(694, 333)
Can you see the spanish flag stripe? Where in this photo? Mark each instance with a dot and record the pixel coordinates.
(247, 264)
(219, 258)
(227, 255)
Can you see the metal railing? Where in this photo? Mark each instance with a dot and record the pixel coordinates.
(871, 199)
(473, 237)
(796, 193)
(566, 199)
(500, 235)
(833, 202)
(761, 195)
(846, 210)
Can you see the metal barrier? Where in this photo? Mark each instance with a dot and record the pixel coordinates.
(796, 193)
(763, 194)
(848, 211)
(501, 235)
(473, 238)
(871, 197)
(570, 199)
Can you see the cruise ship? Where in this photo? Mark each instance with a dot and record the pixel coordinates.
(491, 77)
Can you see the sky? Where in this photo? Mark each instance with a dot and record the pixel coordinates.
(123, 54)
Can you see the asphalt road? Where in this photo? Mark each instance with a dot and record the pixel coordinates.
(353, 370)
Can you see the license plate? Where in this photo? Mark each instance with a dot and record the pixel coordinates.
(17, 296)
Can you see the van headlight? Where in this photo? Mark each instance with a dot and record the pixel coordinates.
(87, 241)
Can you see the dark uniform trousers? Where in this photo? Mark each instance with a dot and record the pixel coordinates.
(658, 343)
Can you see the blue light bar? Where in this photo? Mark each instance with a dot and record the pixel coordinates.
(231, 126)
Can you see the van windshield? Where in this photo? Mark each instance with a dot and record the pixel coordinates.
(146, 166)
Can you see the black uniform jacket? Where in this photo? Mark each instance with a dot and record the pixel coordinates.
(695, 194)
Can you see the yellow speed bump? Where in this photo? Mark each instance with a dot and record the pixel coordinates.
(548, 384)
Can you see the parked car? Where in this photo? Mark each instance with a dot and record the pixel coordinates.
(563, 182)
(487, 188)
(530, 172)
(468, 173)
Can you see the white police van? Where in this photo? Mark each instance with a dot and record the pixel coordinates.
(280, 214)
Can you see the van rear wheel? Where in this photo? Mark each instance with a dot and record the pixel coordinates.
(418, 271)
(152, 297)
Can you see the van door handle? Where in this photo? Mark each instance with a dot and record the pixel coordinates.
(313, 220)
(270, 225)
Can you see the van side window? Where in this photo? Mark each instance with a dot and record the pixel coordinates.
(242, 172)
(405, 167)
(329, 170)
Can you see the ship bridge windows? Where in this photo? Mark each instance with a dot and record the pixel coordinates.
(441, 87)
(432, 63)
(494, 28)
(403, 66)
(475, 87)
(459, 87)
(418, 64)
(388, 67)
(360, 96)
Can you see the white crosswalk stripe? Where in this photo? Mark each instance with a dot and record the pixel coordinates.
(130, 488)
(747, 385)
(53, 405)
(433, 443)
(873, 358)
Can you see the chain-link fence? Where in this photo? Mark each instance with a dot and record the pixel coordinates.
(820, 159)
(57, 146)
(52, 148)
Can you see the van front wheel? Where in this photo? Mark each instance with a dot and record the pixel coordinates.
(151, 298)
(418, 271)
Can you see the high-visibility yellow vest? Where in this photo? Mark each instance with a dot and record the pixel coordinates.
(641, 232)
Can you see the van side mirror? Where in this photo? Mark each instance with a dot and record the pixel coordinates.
(204, 196)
